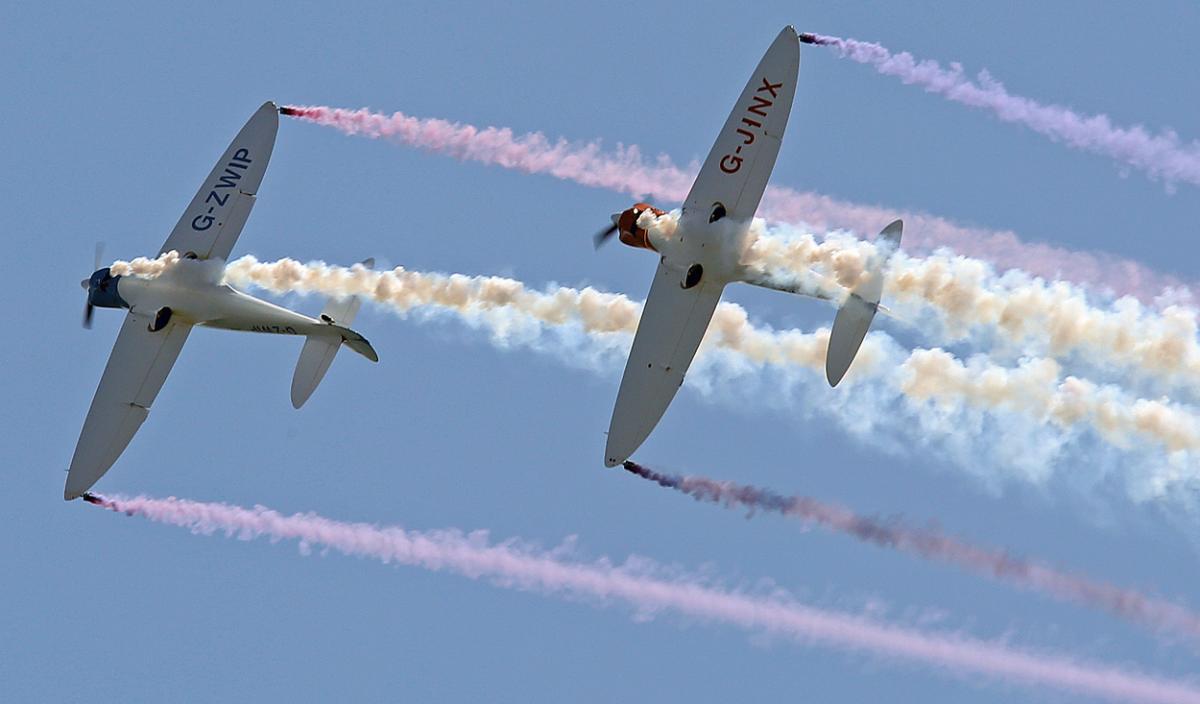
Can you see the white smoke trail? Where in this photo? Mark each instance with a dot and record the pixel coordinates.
(1161, 156)
(959, 300)
(1036, 386)
(514, 565)
(924, 395)
(1125, 342)
(625, 170)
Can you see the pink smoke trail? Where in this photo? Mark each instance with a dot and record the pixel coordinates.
(934, 545)
(514, 566)
(1162, 156)
(626, 170)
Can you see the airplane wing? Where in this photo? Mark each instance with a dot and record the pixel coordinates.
(673, 322)
(736, 171)
(136, 370)
(214, 219)
(730, 183)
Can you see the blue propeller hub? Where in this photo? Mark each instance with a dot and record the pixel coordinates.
(102, 290)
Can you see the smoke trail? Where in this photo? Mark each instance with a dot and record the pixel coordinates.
(516, 566)
(956, 300)
(1161, 156)
(1035, 387)
(962, 300)
(625, 170)
(924, 394)
(930, 544)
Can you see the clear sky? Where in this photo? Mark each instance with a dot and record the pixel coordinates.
(113, 114)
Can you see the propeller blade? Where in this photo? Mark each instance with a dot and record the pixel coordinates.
(604, 235)
(87, 285)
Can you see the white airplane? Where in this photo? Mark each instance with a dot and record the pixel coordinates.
(163, 310)
(704, 254)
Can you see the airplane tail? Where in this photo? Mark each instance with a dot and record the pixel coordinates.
(358, 343)
(855, 316)
(320, 348)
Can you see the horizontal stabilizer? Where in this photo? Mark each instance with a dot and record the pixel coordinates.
(855, 316)
(315, 358)
(320, 348)
(358, 343)
(812, 286)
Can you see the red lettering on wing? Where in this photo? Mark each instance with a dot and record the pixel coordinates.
(760, 105)
(731, 163)
(770, 87)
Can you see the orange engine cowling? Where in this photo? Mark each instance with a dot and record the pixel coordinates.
(627, 226)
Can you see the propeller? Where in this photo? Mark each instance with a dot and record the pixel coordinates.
(86, 284)
(603, 236)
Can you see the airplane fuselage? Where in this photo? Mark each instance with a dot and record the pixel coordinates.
(717, 247)
(212, 304)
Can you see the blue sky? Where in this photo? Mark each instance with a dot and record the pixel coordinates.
(112, 117)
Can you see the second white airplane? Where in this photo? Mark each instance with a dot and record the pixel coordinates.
(704, 254)
(163, 310)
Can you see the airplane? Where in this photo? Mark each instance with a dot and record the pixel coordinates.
(163, 310)
(704, 254)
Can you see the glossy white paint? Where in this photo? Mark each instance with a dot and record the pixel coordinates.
(319, 350)
(858, 310)
(136, 370)
(732, 179)
(210, 225)
(193, 294)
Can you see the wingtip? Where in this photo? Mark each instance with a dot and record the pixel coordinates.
(611, 457)
(268, 108)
